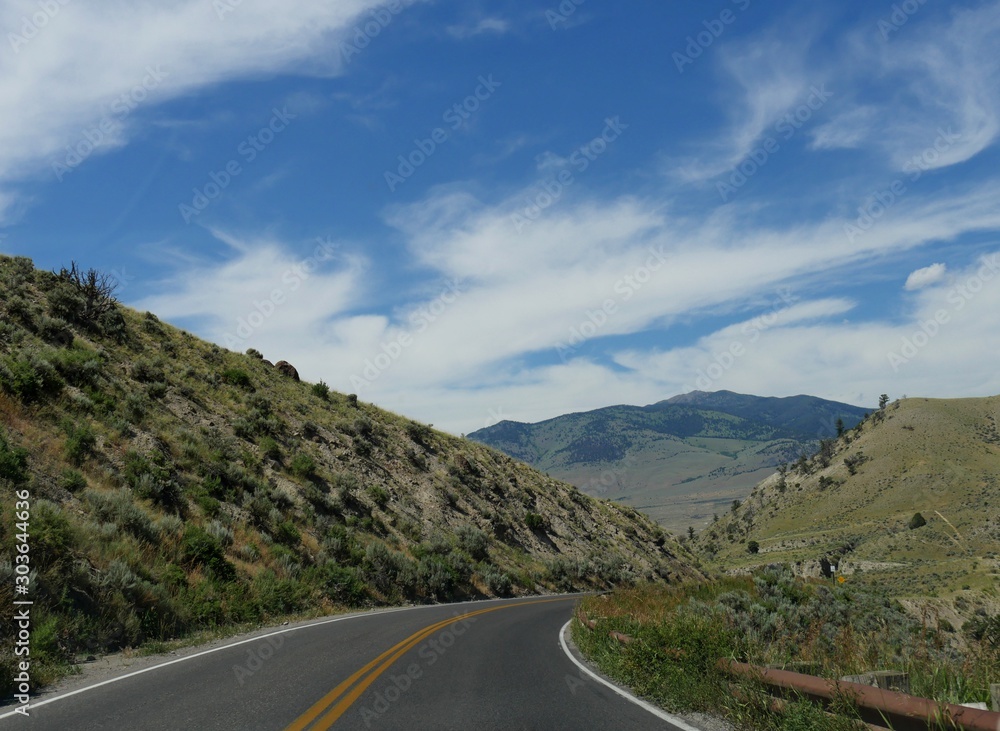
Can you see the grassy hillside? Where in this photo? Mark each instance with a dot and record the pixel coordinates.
(854, 505)
(175, 486)
(816, 626)
(679, 461)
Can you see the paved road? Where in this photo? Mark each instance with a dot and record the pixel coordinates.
(482, 665)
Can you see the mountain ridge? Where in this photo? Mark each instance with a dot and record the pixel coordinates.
(678, 459)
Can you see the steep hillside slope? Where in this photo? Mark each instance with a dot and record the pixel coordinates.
(854, 506)
(679, 460)
(173, 485)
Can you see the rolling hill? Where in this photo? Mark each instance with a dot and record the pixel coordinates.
(679, 460)
(854, 506)
(164, 485)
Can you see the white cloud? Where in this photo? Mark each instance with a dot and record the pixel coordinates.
(845, 131)
(928, 97)
(261, 292)
(484, 25)
(94, 67)
(770, 75)
(452, 358)
(954, 74)
(925, 277)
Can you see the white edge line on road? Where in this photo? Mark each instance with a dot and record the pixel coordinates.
(186, 658)
(659, 713)
(227, 646)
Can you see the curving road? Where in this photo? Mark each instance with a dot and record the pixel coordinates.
(480, 665)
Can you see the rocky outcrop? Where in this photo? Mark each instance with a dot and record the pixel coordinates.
(287, 369)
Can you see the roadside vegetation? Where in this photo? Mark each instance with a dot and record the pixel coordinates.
(820, 627)
(178, 488)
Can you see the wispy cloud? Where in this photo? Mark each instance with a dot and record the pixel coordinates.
(925, 277)
(522, 296)
(927, 79)
(102, 64)
(847, 130)
(497, 26)
(770, 73)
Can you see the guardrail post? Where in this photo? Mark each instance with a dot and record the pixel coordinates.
(995, 695)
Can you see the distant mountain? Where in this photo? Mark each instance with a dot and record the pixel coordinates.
(679, 460)
(804, 417)
(857, 505)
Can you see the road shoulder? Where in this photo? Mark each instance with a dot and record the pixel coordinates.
(685, 721)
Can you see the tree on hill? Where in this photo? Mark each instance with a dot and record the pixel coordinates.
(753, 547)
(883, 400)
(917, 521)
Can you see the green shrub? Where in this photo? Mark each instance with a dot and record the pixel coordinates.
(498, 582)
(287, 534)
(276, 596)
(379, 495)
(917, 521)
(321, 391)
(151, 479)
(303, 465)
(54, 330)
(534, 521)
(390, 572)
(145, 370)
(134, 407)
(29, 377)
(473, 541)
(13, 462)
(72, 480)
(270, 449)
(51, 535)
(340, 584)
(173, 575)
(151, 324)
(419, 433)
(238, 378)
(119, 507)
(435, 577)
(199, 548)
(80, 441)
(209, 505)
(78, 366)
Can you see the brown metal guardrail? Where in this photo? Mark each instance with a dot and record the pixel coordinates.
(877, 707)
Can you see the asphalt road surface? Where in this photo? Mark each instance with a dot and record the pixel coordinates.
(480, 665)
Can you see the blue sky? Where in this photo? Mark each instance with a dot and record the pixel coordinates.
(472, 211)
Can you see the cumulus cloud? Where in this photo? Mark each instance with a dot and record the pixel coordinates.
(925, 277)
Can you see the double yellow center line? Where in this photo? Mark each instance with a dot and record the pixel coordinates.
(336, 703)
